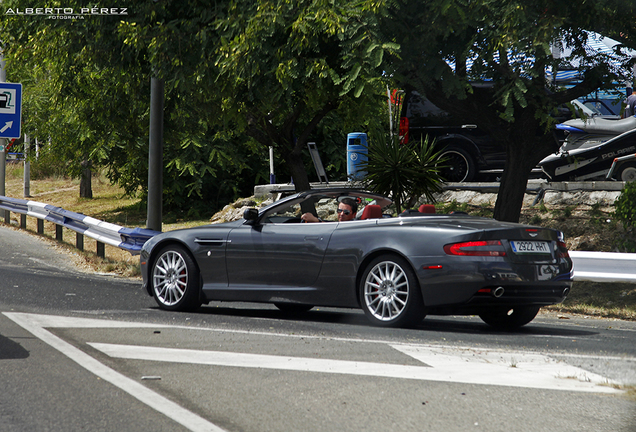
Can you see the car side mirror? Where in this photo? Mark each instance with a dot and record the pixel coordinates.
(250, 215)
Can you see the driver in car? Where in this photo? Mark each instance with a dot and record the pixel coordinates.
(347, 209)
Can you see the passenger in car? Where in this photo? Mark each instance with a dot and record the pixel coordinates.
(630, 102)
(347, 209)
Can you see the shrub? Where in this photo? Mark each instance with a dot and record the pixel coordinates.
(625, 212)
(404, 172)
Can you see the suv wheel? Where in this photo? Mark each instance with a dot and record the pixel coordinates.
(459, 165)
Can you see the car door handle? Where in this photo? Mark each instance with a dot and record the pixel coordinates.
(313, 238)
(469, 126)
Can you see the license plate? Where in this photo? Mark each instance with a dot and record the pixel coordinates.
(530, 247)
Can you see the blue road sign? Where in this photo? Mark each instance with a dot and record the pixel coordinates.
(10, 110)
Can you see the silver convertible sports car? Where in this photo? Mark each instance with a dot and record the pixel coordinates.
(397, 269)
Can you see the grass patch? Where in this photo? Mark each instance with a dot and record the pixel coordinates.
(109, 204)
(607, 300)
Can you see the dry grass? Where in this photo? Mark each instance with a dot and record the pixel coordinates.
(108, 204)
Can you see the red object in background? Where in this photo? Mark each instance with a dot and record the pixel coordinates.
(395, 97)
(404, 130)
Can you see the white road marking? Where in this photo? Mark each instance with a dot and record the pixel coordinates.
(441, 364)
(36, 324)
(516, 369)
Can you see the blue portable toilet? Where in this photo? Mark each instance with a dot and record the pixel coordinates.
(356, 154)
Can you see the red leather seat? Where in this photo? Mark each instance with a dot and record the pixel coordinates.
(427, 208)
(372, 211)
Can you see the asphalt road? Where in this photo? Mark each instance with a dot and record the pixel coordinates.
(89, 352)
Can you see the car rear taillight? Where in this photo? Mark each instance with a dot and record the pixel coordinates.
(562, 250)
(404, 130)
(476, 248)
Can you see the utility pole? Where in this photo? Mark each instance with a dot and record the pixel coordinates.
(3, 141)
(27, 167)
(155, 156)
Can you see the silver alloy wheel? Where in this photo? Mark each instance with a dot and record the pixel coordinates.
(170, 277)
(386, 291)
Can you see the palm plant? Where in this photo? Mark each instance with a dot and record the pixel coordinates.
(404, 172)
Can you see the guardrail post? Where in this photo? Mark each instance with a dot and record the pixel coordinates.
(23, 221)
(7, 217)
(58, 233)
(40, 226)
(79, 241)
(101, 252)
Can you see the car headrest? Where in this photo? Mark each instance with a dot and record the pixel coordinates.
(427, 208)
(371, 211)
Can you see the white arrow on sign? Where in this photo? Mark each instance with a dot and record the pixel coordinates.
(7, 125)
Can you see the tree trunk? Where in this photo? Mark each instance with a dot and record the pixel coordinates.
(296, 167)
(86, 190)
(512, 187)
(522, 155)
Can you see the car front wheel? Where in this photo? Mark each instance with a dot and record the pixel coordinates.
(175, 279)
(390, 293)
(510, 318)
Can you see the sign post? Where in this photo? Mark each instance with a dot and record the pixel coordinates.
(10, 110)
(10, 122)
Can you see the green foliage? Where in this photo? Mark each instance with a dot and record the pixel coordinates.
(536, 220)
(625, 206)
(404, 172)
(238, 77)
(47, 166)
(454, 206)
(625, 212)
(563, 213)
(284, 66)
(484, 210)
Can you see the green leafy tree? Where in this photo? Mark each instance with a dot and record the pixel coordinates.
(237, 75)
(509, 43)
(285, 65)
(86, 89)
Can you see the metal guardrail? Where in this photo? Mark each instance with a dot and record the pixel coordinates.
(604, 266)
(130, 239)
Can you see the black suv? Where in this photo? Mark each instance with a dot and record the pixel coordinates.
(470, 152)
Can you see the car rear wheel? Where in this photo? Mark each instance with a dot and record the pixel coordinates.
(510, 318)
(390, 293)
(460, 166)
(175, 279)
(627, 172)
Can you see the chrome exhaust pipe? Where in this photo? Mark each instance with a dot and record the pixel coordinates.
(566, 291)
(498, 292)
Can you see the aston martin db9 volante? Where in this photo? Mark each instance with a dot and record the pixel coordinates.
(397, 269)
